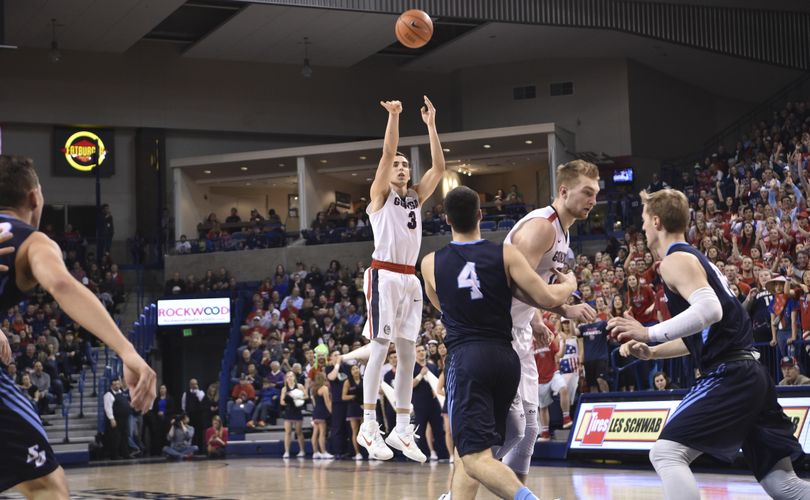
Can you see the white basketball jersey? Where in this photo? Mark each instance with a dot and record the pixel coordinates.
(522, 313)
(397, 229)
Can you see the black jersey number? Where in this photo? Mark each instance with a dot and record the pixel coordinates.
(412, 223)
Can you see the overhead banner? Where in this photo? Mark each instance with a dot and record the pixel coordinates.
(78, 152)
(194, 311)
(635, 425)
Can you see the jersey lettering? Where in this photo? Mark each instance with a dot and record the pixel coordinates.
(468, 278)
(412, 222)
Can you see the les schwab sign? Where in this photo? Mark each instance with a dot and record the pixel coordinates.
(194, 311)
(635, 425)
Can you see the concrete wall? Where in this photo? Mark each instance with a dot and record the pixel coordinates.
(251, 265)
(671, 118)
(598, 111)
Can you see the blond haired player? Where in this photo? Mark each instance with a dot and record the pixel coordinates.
(734, 404)
(542, 237)
(393, 292)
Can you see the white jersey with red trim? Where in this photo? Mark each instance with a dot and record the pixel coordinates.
(555, 258)
(397, 229)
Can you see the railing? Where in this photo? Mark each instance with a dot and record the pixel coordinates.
(229, 357)
(681, 370)
(144, 331)
(67, 402)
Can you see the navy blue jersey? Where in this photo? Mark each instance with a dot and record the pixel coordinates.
(422, 392)
(473, 292)
(594, 340)
(733, 331)
(10, 295)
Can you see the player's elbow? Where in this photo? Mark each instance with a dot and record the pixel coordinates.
(714, 312)
(59, 285)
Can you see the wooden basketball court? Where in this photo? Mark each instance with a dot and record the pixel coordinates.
(294, 479)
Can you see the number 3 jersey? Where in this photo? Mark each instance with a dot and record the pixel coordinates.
(473, 292)
(397, 229)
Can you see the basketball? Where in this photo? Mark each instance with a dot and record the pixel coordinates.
(414, 28)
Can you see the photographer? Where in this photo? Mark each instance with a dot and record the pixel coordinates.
(180, 436)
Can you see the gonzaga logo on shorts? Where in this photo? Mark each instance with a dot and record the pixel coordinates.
(194, 311)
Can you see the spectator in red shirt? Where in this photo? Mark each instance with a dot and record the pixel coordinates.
(216, 438)
(641, 299)
(244, 386)
(547, 354)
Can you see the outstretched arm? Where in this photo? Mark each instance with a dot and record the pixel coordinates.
(80, 304)
(382, 179)
(682, 273)
(432, 177)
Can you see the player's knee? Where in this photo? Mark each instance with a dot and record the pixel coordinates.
(54, 484)
(474, 463)
(664, 453)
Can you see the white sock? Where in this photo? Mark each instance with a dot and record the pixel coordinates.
(403, 419)
(565, 414)
(369, 416)
(544, 428)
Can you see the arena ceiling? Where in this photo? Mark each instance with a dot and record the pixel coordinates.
(257, 32)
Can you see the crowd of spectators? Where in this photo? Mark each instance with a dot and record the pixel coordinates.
(252, 233)
(48, 348)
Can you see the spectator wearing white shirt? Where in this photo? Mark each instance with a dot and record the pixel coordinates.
(294, 299)
(183, 246)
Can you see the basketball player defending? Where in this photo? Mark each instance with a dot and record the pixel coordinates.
(27, 460)
(542, 238)
(733, 405)
(471, 281)
(393, 291)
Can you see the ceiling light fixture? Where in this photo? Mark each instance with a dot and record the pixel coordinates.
(54, 54)
(280, 164)
(306, 70)
(354, 174)
(446, 150)
(243, 169)
(487, 146)
(323, 161)
(207, 171)
(528, 141)
(362, 157)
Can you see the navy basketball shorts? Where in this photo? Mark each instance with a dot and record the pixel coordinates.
(594, 370)
(25, 454)
(734, 406)
(482, 380)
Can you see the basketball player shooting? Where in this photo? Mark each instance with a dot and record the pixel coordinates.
(27, 460)
(734, 404)
(393, 292)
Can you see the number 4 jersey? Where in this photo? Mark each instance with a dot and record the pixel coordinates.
(397, 229)
(473, 292)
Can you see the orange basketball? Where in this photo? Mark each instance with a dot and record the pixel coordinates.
(414, 28)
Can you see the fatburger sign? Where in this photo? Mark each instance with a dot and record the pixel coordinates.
(79, 152)
(194, 311)
(84, 151)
